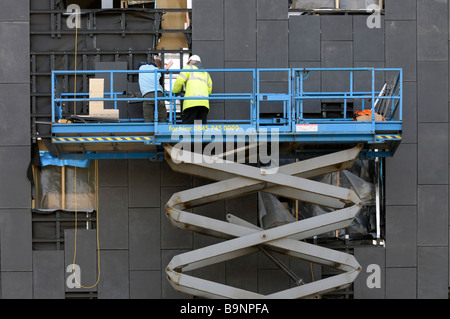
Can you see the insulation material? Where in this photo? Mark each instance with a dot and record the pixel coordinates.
(312, 4)
(357, 4)
(272, 213)
(333, 4)
(173, 21)
(357, 179)
(56, 189)
(96, 108)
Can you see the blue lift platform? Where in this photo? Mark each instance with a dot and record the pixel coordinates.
(296, 130)
(339, 140)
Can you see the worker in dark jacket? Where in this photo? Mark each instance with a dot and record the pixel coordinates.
(198, 84)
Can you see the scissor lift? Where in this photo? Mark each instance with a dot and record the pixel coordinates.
(336, 144)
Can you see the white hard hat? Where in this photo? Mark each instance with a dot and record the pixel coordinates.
(195, 58)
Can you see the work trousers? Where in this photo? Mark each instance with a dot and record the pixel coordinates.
(194, 113)
(149, 108)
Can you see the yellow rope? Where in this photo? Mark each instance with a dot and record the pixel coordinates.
(75, 187)
(76, 221)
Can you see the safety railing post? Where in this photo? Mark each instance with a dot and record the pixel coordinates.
(301, 97)
(373, 100)
(400, 94)
(155, 120)
(111, 89)
(257, 99)
(289, 102)
(170, 99)
(53, 97)
(254, 101)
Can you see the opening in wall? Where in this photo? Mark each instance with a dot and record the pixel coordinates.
(48, 228)
(335, 6)
(65, 193)
(108, 4)
(64, 187)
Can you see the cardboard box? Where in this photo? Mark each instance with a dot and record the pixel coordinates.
(378, 118)
(96, 108)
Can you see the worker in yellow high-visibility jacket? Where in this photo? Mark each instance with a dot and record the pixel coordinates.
(198, 84)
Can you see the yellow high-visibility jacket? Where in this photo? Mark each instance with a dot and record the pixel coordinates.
(198, 84)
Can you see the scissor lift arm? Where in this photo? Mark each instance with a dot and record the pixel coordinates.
(242, 238)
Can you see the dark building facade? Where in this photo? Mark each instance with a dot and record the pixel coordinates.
(136, 240)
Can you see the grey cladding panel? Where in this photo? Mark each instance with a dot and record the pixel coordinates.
(112, 172)
(14, 10)
(401, 234)
(432, 268)
(432, 30)
(16, 285)
(242, 272)
(368, 43)
(208, 17)
(15, 49)
(401, 47)
(401, 283)
(433, 215)
(48, 275)
(336, 54)
(145, 284)
(113, 217)
(304, 38)
(144, 184)
(433, 153)
(409, 112)
(15, 114)
(114, 283)
(240, 30)
(336, 27)
(401, 179)
(400, 9)
(272, 44)
(433, 91)
(271, 281)
(145, 239)
(272, 10)
(15, 241)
